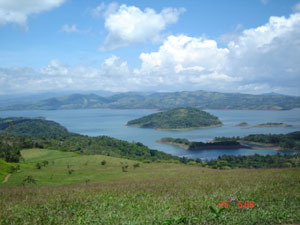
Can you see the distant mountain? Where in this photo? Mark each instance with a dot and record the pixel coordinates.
(164, 101)
(13, 99)
(273, 94)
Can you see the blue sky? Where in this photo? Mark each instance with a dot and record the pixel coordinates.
(171, 45)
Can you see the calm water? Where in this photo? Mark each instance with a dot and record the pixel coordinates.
(110, 122)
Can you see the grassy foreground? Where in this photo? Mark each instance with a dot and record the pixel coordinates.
(154, 193)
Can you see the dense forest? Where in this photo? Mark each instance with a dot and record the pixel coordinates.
(164, 101)
(179, 118)
(195, 145)
(290, 141)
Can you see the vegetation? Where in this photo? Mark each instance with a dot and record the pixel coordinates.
(194, 145)
(154, 193)
(255, 161)
(272, 125)
(61, 139)
(290, 141)
(33, 127)
(165, 101)
(180, 118)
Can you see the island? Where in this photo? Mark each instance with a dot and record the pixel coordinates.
(271, 125)
(193, 145)
(177, 119)
(242, 124)
(283, 142)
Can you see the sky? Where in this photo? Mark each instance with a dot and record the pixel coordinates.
(249, 46)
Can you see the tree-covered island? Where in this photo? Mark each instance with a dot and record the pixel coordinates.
(177, 119)
(195, 145)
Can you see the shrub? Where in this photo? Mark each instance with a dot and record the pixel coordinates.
(136, 165)
(125, 168)
(103, 162)
(45, 162)
(29, 180)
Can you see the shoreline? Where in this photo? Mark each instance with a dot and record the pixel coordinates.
(259, 146)
(186, 147)
(176, 129)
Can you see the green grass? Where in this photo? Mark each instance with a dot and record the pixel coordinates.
(155, 193)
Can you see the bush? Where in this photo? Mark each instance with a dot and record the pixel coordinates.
(103, 162)
(125, 168)
(38, 166)
(136, 165)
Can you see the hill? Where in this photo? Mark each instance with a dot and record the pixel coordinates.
(179, 118)
(164, 101)
(33, 127)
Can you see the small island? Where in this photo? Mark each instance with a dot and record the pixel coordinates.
(177, 119)
(242, 124)
(271, 125)
(193, 145)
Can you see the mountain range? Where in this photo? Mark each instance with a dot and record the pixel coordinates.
(163, 101)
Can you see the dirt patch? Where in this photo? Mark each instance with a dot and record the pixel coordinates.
(6, 178)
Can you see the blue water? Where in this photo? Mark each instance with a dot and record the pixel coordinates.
(110, 122)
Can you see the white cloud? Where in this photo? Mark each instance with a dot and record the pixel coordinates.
(17, 11)
(257, 60)
(105, 10)
(55, 67)
(129, 25)
(69, 29)
(264, 1)
(296, 7)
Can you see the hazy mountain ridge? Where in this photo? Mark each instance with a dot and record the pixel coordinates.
(164, 101)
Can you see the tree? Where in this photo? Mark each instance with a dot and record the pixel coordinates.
(29, 180)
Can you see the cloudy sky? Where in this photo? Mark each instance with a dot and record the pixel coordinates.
(250, 46)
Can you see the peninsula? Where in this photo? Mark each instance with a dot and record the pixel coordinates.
(193, 145)
(177, 119)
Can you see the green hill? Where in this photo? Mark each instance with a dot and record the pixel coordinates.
(33, 127)
(179, 118)
(165, 101)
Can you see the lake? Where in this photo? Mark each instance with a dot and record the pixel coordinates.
(110, 122)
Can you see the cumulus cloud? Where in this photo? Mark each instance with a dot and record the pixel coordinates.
(129, 25)
(55, 67)
(257, 60)
(17, 11)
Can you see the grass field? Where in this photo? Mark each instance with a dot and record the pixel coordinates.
(154, 193)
